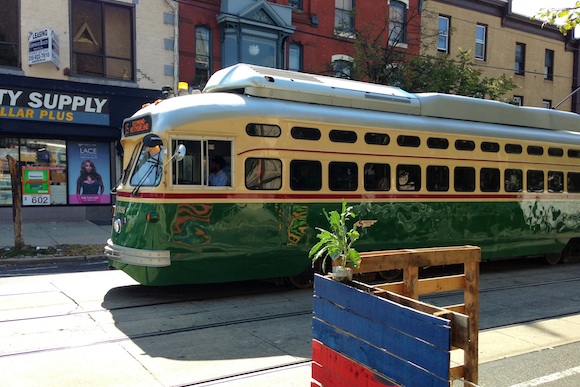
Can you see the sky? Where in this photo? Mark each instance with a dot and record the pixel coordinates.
(531, 7)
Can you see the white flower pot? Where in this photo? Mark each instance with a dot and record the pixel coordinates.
(341, 273)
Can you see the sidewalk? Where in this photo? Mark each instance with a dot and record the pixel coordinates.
(45, 234)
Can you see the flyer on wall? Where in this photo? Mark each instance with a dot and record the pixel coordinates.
(89, 177)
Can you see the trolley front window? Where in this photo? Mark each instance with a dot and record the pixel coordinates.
(149, 167)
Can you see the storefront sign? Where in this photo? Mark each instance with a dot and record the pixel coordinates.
(43, 47)
(35, 186)
(39, 105)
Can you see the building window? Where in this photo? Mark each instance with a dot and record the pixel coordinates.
(342, 66)
(518, 100)
(547, 104)
(520, 66)
(9, 33)
(343, 16)
(295, 57)
(202, 56)
(480, 40)
(443, 34)
(253, 49)
(397, 22)
(549, 65)
(102, 39)
(295, 4)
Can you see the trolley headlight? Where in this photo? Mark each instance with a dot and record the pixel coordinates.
(117, 225)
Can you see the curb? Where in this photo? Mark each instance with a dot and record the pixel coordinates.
(50, 259)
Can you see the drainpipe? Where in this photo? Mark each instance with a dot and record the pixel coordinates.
(175, 8)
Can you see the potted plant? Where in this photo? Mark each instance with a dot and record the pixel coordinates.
(337, 242)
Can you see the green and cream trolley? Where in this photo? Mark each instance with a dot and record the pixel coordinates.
(431, 169)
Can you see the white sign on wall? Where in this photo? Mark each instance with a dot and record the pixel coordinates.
(43, 47)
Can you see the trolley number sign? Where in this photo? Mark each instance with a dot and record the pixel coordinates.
(35, 187)
(136, 126)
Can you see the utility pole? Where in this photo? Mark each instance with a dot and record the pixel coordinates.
(16, 178)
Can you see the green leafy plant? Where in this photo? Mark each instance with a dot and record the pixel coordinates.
(337, 242)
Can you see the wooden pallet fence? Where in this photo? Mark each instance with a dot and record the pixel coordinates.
(382, 335)
(397, 344)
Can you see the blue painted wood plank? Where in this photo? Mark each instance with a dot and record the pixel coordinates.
(392, 367)
(405, 319)
(397, 343)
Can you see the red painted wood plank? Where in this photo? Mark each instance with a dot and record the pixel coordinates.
(331, 369)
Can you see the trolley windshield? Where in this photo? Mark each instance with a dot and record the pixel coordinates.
(149, 166)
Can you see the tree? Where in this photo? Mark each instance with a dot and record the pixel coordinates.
(16, 179)
(442, 74)
(566, 18)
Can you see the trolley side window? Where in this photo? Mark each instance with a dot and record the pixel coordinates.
(342, 176)
(263, 130)
(301, 133)
(487, 146)
(377, 177)
(206, 162)
(437, 178)
(535, 181)
(437, 143)
(555, 181)
(305, 175)
(489, 179)
(408, 177)
(464, 179)
(574, 182)
(189, 170)
(534, 150)
(377, 138)
(513, 180)
(515, 149)
(263, 174)
(464, 145)
(336, 135)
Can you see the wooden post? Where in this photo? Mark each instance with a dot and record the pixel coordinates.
(410, 278)
(471, 299)
(16, 179)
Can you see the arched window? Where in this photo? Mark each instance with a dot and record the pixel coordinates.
(342, 66)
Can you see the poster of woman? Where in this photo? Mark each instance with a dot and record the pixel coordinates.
(89, 174)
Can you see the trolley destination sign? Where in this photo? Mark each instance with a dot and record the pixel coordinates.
(40, 105)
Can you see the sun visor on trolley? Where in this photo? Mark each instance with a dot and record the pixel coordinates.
(308, 88)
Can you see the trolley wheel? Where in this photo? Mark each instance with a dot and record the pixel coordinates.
(304, 280)
(391, 275)
(552, 259)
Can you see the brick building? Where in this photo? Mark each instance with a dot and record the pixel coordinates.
(315, 36)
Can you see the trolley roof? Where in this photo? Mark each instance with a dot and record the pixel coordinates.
(324, 90)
